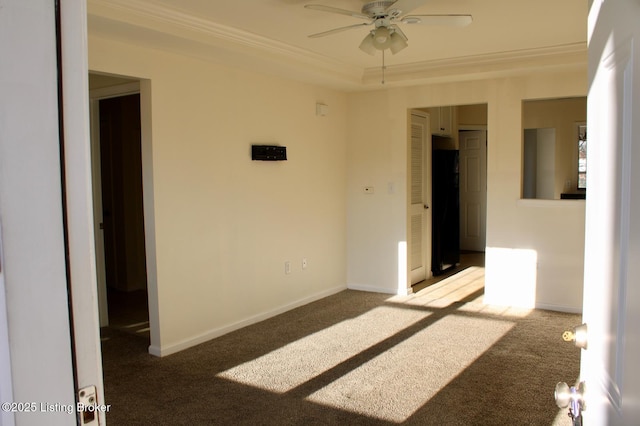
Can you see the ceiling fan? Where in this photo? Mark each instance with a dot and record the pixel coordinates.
(384, 16)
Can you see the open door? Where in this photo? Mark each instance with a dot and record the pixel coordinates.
(473, 190)
(420, 217)
(609, 365)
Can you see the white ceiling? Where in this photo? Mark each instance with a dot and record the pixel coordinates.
(279, 29)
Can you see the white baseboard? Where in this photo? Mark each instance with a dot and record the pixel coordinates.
(212, 334)
(374, 289)
(537, 305)
(559, 308)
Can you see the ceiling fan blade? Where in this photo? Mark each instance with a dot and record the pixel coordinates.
(441, 20)
(399, 31)
(337, 30)
(330, 9)
(405, 6)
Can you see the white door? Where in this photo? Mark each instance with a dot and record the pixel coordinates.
(420, 217)
(609, 366)
(77, 168)
(473, 190)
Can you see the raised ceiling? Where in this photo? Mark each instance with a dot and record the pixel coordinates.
(273, 34)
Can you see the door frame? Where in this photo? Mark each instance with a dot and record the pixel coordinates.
(6, 388)
(95, 96)
(427, 191)
(73, 81)
(143, 87)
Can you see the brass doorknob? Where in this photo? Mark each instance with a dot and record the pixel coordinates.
(578, 336)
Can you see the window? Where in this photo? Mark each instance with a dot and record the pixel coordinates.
(582, 156)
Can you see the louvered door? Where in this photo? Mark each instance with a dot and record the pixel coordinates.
(420, 198)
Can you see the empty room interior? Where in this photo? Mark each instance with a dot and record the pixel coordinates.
(418, 185)
(296, 225)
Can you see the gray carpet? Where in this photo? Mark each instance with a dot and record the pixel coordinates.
(438, 357)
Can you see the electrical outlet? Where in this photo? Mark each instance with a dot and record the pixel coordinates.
(287, 267)
(304, 263)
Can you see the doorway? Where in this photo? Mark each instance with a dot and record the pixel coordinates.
(457, 133)
(119, 205)
(122, 211)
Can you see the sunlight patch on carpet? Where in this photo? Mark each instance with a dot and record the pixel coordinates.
(458, 287)
(423, 362)
(300, 361)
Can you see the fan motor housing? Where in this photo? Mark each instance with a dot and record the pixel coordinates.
(377, 8)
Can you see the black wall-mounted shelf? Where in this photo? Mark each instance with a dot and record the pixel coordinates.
(268, 153)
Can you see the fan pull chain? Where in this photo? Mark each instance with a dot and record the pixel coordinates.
(383, 67)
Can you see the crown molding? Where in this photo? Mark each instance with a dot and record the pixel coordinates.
(145, 15)
(195, 36)
(129, 10)
(569, 56)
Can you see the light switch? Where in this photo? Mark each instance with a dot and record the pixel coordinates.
(322, 109)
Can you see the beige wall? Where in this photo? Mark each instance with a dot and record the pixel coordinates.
(225, 225)
(472, 115)
(534, 249)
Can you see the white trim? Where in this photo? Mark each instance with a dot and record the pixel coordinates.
(101, 278)
(6, 390)
(212, 334)
(144, 14)
(472, 127)
(374, 289)
(185, 28)
(115, 91)
(501, 64)
(548, 203)
(135, 10)
(143, 87)
(79, 200)
(95, 96)
(559, 308)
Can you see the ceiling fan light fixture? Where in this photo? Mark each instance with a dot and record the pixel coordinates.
(382, 38)
(381, 35)
(367, 45)
(397, 43)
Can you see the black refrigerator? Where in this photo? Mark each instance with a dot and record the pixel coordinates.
(445, 206)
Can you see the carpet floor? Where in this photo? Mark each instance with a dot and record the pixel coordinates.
(437, 357)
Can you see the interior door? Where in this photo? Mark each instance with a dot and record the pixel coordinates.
(419, 217)
(473, 189)
(609, 366)
(122, 204)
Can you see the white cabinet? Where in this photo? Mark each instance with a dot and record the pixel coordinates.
(441, 120)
